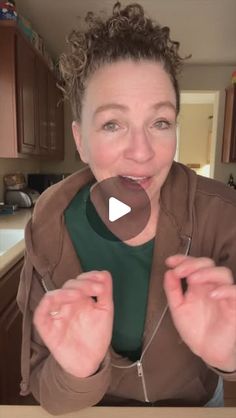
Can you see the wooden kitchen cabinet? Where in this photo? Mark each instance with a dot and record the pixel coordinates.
(42, 96)
(29, 122)
(26, 95)
(229, 134)
(55, 119)
(10, 336)
(10, 339)
(50, 114)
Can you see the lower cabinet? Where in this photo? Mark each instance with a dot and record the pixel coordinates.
(10, 340)
(10, 329)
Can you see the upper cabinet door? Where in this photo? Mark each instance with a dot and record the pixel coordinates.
(42, 85)
(31, 123)
(59, 125)
(26, 98)
(55, 119)
(52, 113)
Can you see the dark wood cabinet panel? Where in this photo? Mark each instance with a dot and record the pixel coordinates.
(10, 340)
(28, 104)
(9, 285)
(10, 337)
(55, 119)
(229, 135)
(8, 136)
(52, 114)
(26, 98)
(10, 329)
(42, 84)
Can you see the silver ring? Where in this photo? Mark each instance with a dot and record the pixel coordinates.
(54, 313)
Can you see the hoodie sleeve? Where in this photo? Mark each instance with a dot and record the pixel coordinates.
(57, 391)
(214, 217)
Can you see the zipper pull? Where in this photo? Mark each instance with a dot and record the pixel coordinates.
(140, 368)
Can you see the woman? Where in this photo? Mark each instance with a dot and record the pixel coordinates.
(122, 327)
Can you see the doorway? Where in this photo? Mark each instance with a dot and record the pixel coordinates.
(197, 131)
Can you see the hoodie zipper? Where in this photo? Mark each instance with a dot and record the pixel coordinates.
(138, 363)
(47, 283)
(44, 285)
(141, 374)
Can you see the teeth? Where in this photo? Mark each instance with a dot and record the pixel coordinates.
(134, 178)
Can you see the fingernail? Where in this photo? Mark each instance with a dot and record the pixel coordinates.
(180, 270)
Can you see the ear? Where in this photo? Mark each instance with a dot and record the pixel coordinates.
(78, 140)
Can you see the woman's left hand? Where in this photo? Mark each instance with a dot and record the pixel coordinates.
(205, 315)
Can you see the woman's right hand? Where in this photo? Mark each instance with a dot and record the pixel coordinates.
(75, 322)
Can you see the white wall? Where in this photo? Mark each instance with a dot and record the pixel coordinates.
(194, 133)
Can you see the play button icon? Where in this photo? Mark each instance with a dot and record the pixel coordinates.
(117, 209)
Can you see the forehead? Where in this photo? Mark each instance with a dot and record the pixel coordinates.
(126, 81)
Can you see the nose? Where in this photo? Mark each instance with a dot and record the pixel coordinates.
(139, 148)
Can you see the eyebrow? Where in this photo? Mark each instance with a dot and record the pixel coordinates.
(124, 108)
(166, 103)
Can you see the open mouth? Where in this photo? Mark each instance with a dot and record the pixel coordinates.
(133, 178)
(133, 181)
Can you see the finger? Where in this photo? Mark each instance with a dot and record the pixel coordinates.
(71, 283)
(53, 301)
(105, 298)
(58, 297)
(87, 287)
(180, 259)
(175, 260)
(95, 275)
(90, 285)
(92, 274)
(228, 292)
(191, 264)
(173, 290)
(215, 275)
(98, 275)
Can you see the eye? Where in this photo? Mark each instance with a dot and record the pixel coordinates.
(110, 126)
(162, 124)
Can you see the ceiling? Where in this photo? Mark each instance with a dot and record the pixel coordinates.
(204, 28)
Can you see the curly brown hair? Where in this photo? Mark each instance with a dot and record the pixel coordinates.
(127, 34)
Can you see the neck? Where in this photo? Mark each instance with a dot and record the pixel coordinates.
(149, 231)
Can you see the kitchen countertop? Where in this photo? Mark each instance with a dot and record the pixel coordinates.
(17, 220)
(119, 412)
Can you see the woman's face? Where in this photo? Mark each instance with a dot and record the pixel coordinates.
(128, 124)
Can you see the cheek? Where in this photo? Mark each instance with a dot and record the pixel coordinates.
(165, 150)
(102, 155)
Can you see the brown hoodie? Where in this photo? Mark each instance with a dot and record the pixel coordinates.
(198, 217)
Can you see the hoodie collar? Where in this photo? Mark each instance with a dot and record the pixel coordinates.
(44, 233)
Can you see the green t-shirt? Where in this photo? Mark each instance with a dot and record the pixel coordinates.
(129, 266)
